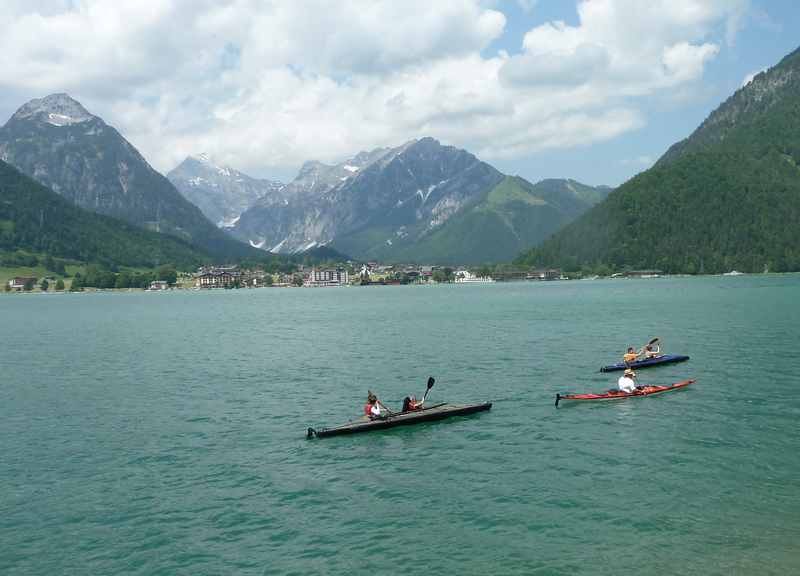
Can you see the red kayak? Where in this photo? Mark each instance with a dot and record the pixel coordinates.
(619, 395)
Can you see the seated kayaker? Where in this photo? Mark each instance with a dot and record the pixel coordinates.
(410, 403)
(652, 350)
(631, 355)
(627, 382)
(372, 409)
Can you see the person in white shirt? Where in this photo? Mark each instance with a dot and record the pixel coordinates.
(372, 409)
(627, 382)
(652, 351)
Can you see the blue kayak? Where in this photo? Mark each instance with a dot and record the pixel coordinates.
(655, 361)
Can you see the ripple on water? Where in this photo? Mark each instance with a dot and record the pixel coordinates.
(169, 438)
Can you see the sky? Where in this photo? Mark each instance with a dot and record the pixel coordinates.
(594, 90)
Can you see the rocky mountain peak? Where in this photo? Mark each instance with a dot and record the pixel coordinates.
(56, 109)
(311, 168)
(203, 157)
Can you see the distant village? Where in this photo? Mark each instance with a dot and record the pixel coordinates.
(370, 273)
(367, 274)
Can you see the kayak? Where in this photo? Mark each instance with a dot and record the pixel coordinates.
(619, 395)
(655, 361)
(435, 412)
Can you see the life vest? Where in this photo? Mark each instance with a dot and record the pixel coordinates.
(368, 409)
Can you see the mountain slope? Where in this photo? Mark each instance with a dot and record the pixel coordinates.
(36, 219)
(728, 197)
(221, 192)
(59, 143)
(411, 203)
(511, 216)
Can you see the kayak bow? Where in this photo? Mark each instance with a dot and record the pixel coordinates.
(619, 395)
(646, 363)
(436, 412)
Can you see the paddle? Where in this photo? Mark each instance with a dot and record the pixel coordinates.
(646, 346)
(385, 408)
(431, 382)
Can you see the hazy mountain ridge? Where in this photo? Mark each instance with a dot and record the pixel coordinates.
(222, 193)
(60, 144)
(394, 203)
(511, 216)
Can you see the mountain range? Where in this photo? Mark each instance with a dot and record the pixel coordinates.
(56, 141)
(419, 202)
(727, 197)
(35, 219)
(221, 192)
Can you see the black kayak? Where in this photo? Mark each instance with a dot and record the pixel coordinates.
(655, 361)
(435, 412)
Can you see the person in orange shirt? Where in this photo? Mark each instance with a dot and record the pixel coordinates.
(631, 355)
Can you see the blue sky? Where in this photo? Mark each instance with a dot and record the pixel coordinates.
(594, 90)
(765, 37)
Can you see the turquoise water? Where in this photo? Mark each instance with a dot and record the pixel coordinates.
(165, 433)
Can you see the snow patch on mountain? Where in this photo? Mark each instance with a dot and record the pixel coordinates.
(229, 222)
(55, 109)
(277, 248)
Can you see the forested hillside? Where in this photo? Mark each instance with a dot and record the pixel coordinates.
(728, 197)
(36, 219)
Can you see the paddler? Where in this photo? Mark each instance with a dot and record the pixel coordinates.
(631, 355)
(410, 403)
(627, 382)
(652, 350)
(372, 409)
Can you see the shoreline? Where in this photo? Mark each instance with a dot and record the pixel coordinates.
(89, 290)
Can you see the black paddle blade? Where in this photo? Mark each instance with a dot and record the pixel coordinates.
(431, 382)
(558, 397)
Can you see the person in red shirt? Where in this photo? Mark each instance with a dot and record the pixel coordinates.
(410, 403)
(372, 409)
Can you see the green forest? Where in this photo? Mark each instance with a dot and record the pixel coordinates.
(727, 198)
(38, 227)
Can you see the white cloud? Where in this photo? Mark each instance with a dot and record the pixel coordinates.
(749, 78)
(527, 5)
(269, 84)
(644, 46)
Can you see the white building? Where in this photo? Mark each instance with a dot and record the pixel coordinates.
(328, 277)
(467, 276)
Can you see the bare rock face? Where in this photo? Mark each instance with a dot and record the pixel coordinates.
(221, 192)
(413, 189)
(56, 141)
(419, 202)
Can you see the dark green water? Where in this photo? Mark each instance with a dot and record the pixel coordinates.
(164, 433)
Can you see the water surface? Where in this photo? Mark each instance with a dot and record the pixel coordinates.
(164, 433)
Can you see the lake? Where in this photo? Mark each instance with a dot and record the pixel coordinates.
(164, 433)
